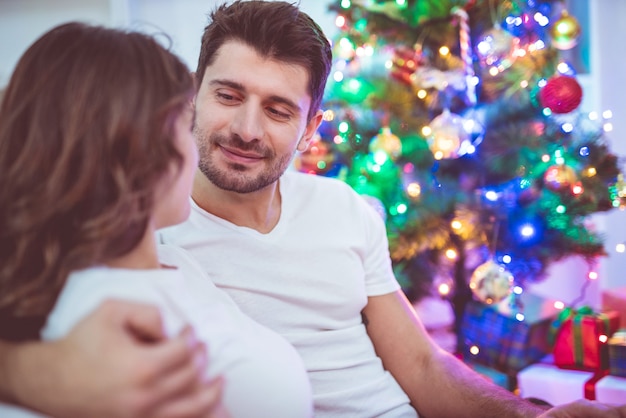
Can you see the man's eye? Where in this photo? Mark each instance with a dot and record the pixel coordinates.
(278, 114)
(226, 97)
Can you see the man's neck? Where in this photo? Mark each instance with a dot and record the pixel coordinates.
(258, 210)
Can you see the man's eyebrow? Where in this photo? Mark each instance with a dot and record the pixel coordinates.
(238, 86)
(227, 83)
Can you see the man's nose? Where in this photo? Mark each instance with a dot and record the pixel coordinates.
(248, 121)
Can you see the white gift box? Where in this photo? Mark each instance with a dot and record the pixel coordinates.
(611, 390)
(551, 384)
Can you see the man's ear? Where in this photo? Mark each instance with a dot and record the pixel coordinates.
(310, 130)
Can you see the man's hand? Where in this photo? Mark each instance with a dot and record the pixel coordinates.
(115, 363)
(584, 408)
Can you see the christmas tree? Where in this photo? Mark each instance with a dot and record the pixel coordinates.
(459, 121)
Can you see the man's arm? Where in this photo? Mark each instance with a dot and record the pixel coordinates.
(584, 408)
(437, 383)
(115, 363)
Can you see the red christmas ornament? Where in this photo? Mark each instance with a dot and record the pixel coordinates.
(405, 61)
(561, 94)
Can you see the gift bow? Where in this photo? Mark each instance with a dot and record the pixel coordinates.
(566, 314)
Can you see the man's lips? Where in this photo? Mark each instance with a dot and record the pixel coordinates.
(240, 155)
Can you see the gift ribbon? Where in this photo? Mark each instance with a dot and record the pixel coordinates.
(566, 314)
(590, 385)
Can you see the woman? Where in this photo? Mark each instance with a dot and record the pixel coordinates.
(96, 154)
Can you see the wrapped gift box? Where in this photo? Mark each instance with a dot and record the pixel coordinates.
(611, 390)
(617, 354)
(615, 300)
(494, 337)
(557, 386)
(581, 339)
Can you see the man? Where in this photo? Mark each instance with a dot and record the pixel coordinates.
(305, 255)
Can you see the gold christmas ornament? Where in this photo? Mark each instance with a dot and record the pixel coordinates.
(388, 142)
(491, 282)
(447, 133)
(565, 32)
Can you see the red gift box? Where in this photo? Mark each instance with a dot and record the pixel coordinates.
(581, 339)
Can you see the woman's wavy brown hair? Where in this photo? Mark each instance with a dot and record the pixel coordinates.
(86, 133)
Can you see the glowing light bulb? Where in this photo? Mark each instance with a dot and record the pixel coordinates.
(414, 189)
(577, 189)
(559, 305)
(444, 289)
(491, 196)
(527, 230)
(451, 254)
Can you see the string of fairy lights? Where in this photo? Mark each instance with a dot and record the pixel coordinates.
(458, 84)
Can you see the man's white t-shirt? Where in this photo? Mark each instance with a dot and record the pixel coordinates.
(309, 279)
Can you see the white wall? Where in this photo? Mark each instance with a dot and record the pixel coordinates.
(23, 21)
(609, 69)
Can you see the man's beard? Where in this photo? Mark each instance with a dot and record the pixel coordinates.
(237, 179)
